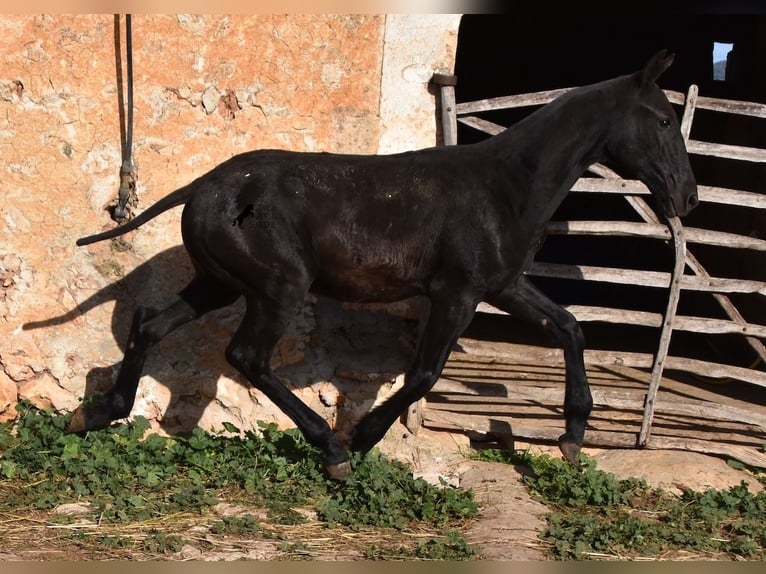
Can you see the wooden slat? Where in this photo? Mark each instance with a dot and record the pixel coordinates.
(723, 239)
(473, 395)
(603, 185)
(547, 406)
(619, 358)
(689, 109)
(552, 397)
(482, 125)
(654, 231)
(732, 106)
(586, 313)
(532, 99)
(611, 228)
(728, 151)
(528, 430)
(508, 102)
(731, 197)
(706, 193)
(645, 278)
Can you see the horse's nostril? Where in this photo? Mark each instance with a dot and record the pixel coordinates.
(693, 201)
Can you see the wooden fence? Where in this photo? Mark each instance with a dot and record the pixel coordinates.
(676, 281)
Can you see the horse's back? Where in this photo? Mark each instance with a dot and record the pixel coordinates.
(363, 227)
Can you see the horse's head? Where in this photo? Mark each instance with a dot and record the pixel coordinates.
(646, 143)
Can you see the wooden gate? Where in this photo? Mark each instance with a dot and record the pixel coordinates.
(487, 386)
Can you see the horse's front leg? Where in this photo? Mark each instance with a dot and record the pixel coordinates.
(524, 300)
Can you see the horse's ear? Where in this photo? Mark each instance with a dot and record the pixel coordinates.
(654, 68)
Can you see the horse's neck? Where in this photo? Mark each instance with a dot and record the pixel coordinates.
(547, 151)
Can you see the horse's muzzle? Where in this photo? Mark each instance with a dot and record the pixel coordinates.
(689, 199)
(681, 202)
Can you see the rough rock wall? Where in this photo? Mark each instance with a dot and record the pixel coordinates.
(205, 88)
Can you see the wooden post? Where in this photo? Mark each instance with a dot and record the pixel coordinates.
(667, 329)
(413, 417)
(446, 86)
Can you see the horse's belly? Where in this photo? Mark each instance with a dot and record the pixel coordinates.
(368, 279)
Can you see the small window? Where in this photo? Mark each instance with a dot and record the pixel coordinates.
(721, 52)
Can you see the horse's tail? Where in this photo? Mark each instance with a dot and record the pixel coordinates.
(178, 197)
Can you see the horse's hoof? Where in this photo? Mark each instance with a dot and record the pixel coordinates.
(570, 449)
(339, 471)
(78, 423)
(94, 414)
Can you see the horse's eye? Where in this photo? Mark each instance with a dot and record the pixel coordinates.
(664, 123)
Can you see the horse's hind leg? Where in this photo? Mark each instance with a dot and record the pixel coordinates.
(250, 352)
(149, 326)
(524, 300)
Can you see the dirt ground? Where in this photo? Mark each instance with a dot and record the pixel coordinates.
(511, 519)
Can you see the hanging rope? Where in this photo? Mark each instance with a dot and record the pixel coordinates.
(127, 181)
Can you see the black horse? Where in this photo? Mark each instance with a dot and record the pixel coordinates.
(458, 225)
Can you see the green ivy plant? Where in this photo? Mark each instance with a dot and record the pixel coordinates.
(596, 515)
(126, 475)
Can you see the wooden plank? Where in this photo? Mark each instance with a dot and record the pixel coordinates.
(551, 399)
(482, 125)
(509, 102)
(644, 278)
(689, 107)
(731, 196)
(706, 193)
(607, 420)
(502, 380)
(748, 455)
(532, 99)
(732, 106)
(602, 185)
(654, 231)
(723, 239)
(729, 151)
(707, 442)
(710, 442)
(677, 98)
(602, 274)
(585, 313)
(610, 228)
(613, 358)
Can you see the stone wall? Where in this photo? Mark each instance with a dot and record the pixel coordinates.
(205, 88)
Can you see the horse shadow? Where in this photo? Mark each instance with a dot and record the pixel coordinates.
(355, 350)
